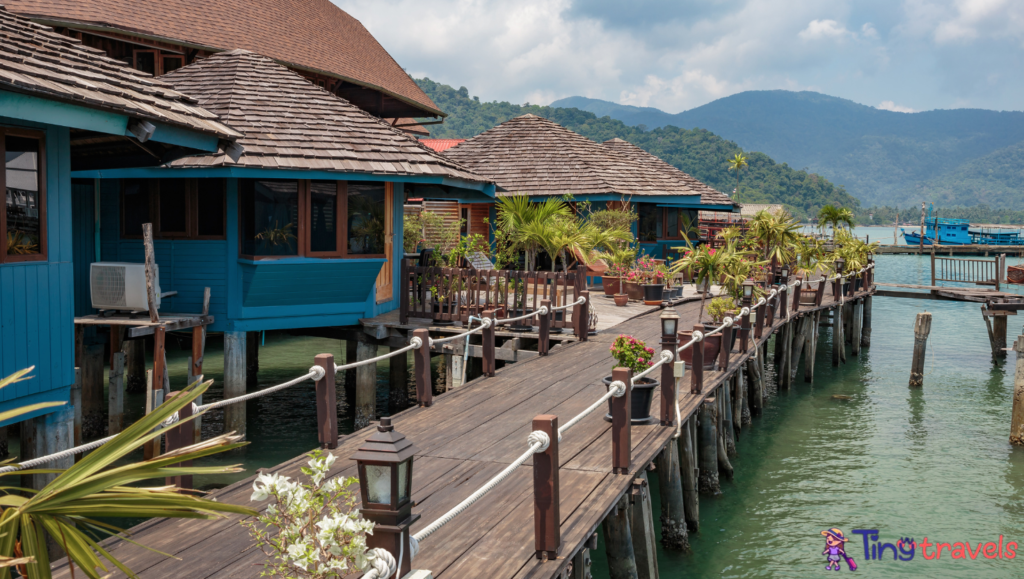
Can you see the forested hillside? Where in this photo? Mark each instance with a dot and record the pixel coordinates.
(698, 152)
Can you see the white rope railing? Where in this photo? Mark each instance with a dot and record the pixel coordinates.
(665, 357)
(56, 456)
(616, 389)
(315, 373)
(579, 302)
(522, 317)
(484, 324)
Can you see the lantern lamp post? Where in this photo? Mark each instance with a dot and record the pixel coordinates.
(385, 487)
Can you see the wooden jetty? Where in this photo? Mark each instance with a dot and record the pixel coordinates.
(469, 434)
(951, 250)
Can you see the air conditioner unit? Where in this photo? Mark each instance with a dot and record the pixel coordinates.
(121, 286)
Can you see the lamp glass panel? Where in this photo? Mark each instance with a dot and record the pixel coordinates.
(378, 483)
(403, 481)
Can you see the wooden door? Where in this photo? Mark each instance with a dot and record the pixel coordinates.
(385, 279)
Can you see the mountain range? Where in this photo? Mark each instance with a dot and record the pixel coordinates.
(952, 157)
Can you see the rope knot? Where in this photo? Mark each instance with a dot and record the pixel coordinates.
(383, 563)
(727, 321)
(416, 342)
(539, 437)
(698, 335)
(543, 310)
(617, 388)
(668, 355)
(784, 288)
(486, 322)
(318, 372)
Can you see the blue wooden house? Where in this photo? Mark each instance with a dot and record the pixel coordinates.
(536, 156)
(65, 107)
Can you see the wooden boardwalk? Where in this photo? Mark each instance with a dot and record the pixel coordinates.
(465, 438)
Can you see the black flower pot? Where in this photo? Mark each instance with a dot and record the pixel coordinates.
(654, 293)
(639, 401)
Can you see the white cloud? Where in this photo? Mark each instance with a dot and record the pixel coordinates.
(822, 29)
(891, 106)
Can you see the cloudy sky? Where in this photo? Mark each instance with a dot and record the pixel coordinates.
(907, 55)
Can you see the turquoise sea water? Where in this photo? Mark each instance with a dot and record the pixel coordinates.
(931, 462)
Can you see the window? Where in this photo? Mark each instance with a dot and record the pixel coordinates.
(177, 208)
(171, 62)
(650, 225)
(145, 61)
(464, 228)
(156, 62)
(23, 222)
(287, 218)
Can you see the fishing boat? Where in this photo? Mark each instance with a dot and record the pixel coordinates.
(946, 231)
(996, 234)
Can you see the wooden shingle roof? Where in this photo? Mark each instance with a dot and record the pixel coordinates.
(313, 35)
(535, 156)
(36, 61)
(654, 164)
(289, 123)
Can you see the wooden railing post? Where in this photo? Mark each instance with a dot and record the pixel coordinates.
(797, 290)
(668, 382)
(770, 318)
(544, 334)
(697, 363)
(581, 317)
(488, 345)
(621, 431)
(546, 520)
(759, 321)
(783, 307)
(821, 292)
(745, 328)
(724, 351)
(421, 368)
(177, 437)
(326, 403)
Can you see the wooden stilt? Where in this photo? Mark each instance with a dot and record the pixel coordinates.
(726, 424)
(743, 385)
(754, 386)
(641, 524)
(40, 436)
(673, 518)
(1017, 416)
(999, 335)
(783, 366)
(688, 471)
(115, 395)
(843, 336)
(847, 322)
(736, 397)
(252, 358)
(811, 346)
(858, 318)
(618, 542)
(151, 448)
(724, 466)
(708, 448)
(398, 379)
(94, 405)
(135, 365)
(780, 341)
(922, 327)
(581, 564)
(234, 381)
(837, 336)
(449, 382)
(76, 403)
(865, 332)
(799, 341)
(366, 385)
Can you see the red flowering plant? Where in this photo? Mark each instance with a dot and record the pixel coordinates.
(632, 353)
(647, 271)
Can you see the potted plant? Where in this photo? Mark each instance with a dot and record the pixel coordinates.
(619, 261)
(634, 354)
(708, 264)
(621, 299)
(721, 308)
(651, 280)
(631, 285)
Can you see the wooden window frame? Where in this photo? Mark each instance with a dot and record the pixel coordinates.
(162, 55)
(156, 59)
(43, 254)
(305, 215)
(344, 229)
(191, 232)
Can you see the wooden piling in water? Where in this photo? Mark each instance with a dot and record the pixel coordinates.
(115, 395)
(135, 365)
(641, 525)
(94, 407)
(1017, 416)
(326, 403)
(865, 332)
(737, 401)
(252, 358)
(724, 466)
(812, 346)
(688, 469)
(234, 381)
(799, 342)
(858, 318)
(744, 387)
(922, 327)
(837, 336)
(727, 430)
(674, 536)
(755, 386)
(999, 335)
(618, 542)
(707, 444)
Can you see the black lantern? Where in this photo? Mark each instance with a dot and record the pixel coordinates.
(669, 322)
(385, 486)
(748, 291)
(785, 273)
(840, 265)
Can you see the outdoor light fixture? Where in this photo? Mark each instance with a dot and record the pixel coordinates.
(385, 486)
(748, 291)
(669, 322)
(785, 273)
(840, 265)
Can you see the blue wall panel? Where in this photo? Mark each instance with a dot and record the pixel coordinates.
(308, 282)
(83, 233)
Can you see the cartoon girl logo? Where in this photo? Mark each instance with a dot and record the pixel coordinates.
(835, 551)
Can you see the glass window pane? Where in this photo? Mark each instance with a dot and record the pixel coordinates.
(649, 226)
(365, 218)
(270, 217)
(211, 207)
(672, 220)
(378, 482)
(403, 481)
(145, 60)
(323, 216)
(173, 206)
(24, 227)
(136, 206)
(172, 63)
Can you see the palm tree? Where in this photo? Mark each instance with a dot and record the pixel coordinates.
(835, 217)
(737, 163)
(527, 223)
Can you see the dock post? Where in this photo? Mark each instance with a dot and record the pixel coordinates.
(641, 524)
(697, 363)
(723, 352)
(783, 302)
(998, 334)
(812, 346)
(421, 368)
(93, 404)
(621, 439)
(581, 562)
(744, 387)
(770, 312)
(837, 336)
(754, 386)
(708, 448)
(326, 403)
(546, 520)
(759, 322)
(669, 385)
(780, 346)
(252, 358)
(673, 518)
(799, 344)
(783, 345)
(819, 296)
(177, 437)
(581, 315)
(726, 420)
(858, 317)
(688, 469)
(47, 434)
(724, 466)
(737, 401)
(76, 403)
(366, 383)
(115, 395)
(487, 345)
(544, 333)
(135, 365)
(745, 330)
(619, 542)
(922, 327)
(234, 381)
(865, 331)
(1017, 416)
(398, 380)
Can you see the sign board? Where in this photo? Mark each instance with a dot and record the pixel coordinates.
(479, 261)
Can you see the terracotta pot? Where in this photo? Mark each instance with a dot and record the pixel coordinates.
(633, 289)
(712, 346)
(621, 299)
(611, 284)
